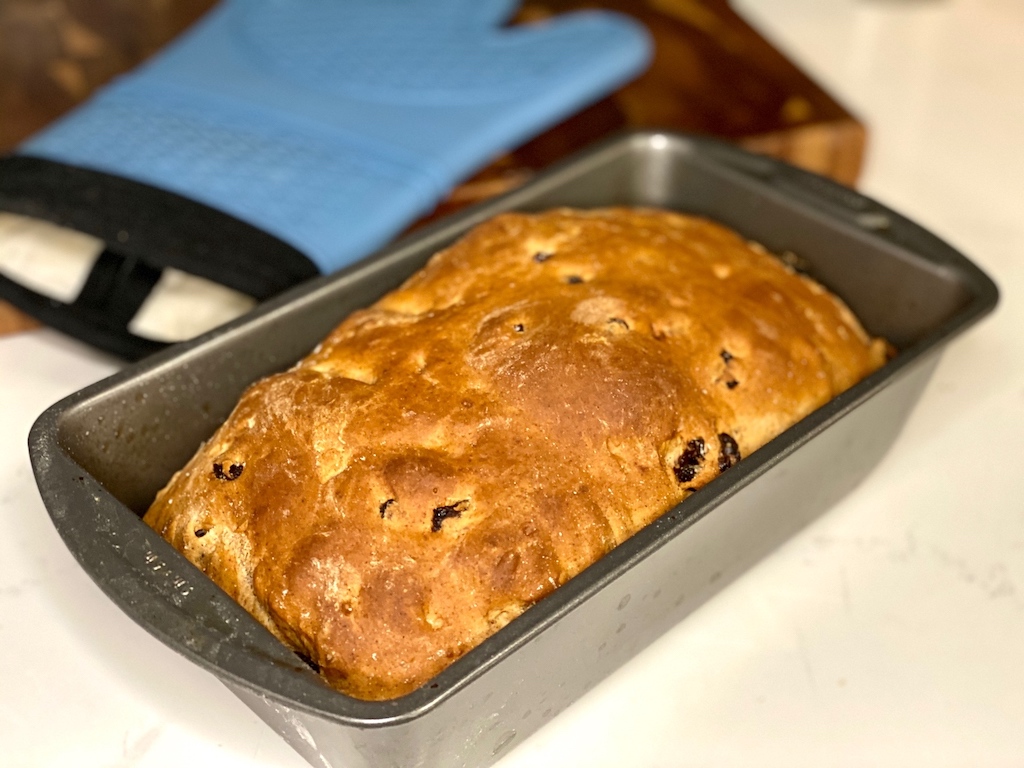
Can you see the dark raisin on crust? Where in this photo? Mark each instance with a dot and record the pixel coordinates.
(445, 511)
(729, 454)
(384, 508)
(574, 279)
(541, 256)
(234, 471)
(732, 384)
(690, 460)
(200, 532)
(518, 327)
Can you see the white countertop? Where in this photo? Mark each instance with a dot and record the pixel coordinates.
(890, 632)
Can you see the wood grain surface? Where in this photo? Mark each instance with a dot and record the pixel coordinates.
(712, 74)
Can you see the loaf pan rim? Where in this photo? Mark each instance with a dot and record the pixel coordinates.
(337, 707)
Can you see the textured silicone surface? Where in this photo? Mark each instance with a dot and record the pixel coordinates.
(332, 124)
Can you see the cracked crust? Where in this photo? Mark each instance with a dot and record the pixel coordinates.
(535, 395)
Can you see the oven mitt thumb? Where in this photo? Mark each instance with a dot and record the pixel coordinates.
(332, 124)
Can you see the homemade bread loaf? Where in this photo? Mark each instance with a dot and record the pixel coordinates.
(531, 398)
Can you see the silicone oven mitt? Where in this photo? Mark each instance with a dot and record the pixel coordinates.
(327, 125)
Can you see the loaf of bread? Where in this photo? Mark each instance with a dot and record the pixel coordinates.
(535, 395)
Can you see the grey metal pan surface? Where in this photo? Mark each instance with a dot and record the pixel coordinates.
(101, 454)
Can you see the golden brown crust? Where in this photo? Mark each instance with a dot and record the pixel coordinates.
(535, 395)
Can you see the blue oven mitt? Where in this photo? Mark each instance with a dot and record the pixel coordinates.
(332, 124)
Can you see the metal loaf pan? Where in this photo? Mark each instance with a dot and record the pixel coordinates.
(101, 455)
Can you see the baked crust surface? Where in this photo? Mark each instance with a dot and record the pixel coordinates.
(535, 395)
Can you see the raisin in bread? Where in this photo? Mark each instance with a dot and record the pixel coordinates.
(530, 399)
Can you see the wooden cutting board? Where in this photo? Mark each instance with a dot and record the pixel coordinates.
(712, 74)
